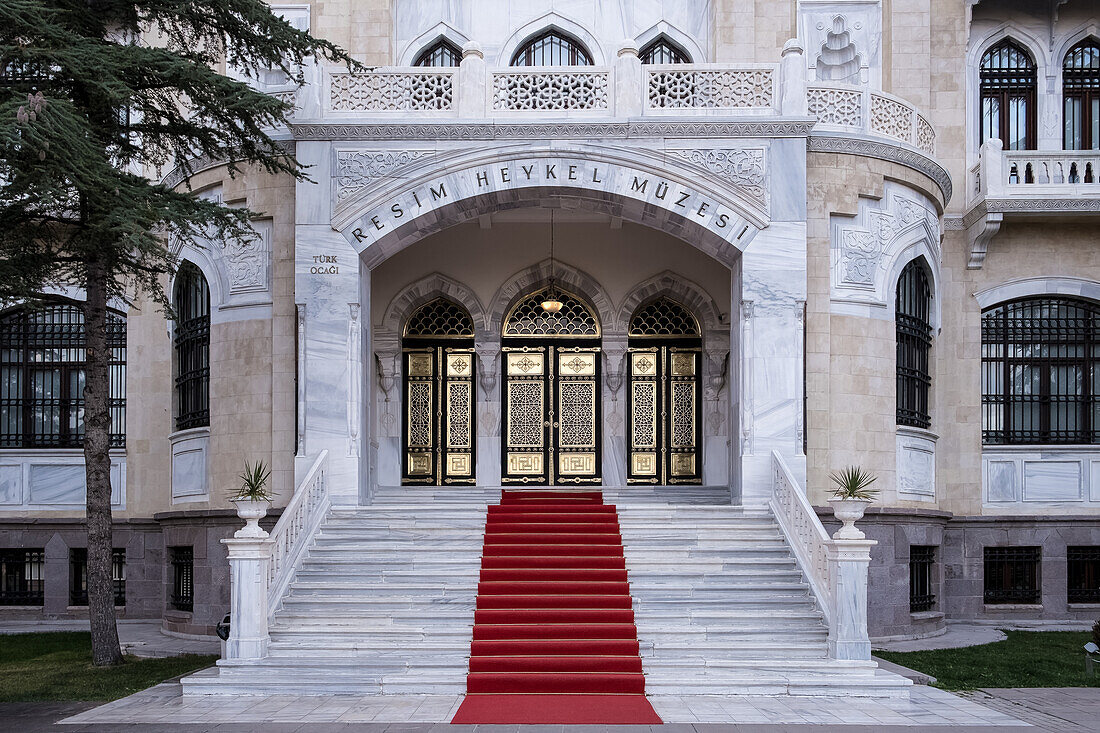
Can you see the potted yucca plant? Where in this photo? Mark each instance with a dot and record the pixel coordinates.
(252, 499)
(850, 499)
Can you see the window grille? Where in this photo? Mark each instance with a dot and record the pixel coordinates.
(21, 577)
(1008, 96)
(1083, 574)
(78, 576)
(1012, 575)
(440, 53)
(552, 48)
(574, 320)
(663, 317)
(1081, 97)
(183, 578)
(42, 359)
(663, 51)
(1040, 363)
(192, 342)
(440, 318)
(914, 344)
(922, 560)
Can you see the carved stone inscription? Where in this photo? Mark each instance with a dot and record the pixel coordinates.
(579, 173)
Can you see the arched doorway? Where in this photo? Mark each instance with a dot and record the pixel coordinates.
(438, 385)
(664, 407)
(550, 430)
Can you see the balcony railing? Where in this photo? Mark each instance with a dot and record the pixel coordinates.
(392, 90)
(848, 108)
(553, 89)
(1033, 174)
(708, 87)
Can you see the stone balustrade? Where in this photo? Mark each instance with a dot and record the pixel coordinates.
(1025, 174)
(848, 108)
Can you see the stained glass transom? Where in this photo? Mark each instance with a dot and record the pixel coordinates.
(440, 317)
(575, 319)
(663, 317)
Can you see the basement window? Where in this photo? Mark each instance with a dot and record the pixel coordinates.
(183, 578)
(922, 559)
(1083, 574)
(78, 576)
(1012, 575)
(21, 577)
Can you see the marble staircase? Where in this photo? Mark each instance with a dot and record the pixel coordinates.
(383, 602)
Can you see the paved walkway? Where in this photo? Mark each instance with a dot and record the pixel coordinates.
(164, 704)
(960, 634)
(140, 637)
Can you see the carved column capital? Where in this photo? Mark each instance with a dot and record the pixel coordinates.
(488, 365)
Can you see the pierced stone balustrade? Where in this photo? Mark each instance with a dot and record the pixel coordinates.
(846, 108)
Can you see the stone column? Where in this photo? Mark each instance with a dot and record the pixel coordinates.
(792, 80)
(488, 409)
(848, 565)
(248, 567)
(615, 453)
(628, 81)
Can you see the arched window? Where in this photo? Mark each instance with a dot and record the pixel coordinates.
(1040, 372)
(42, 377)
(191, 299)
(1081, 88)
(663, 51)
(914, 344)
(1008, 96)
(552, 48)
(440, 53)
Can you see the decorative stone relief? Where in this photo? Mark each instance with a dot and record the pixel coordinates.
(864, 250)
(710, 89)
(843, 39)
(550, 90)
(745, 168)
(356, 170)
(248, 260)
(391, 91)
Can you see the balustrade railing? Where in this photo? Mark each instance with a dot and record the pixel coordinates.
(1056, 167)
(804, 532)
(700, 87)
(392, 90)
(295, 528)
(557, 89)
(877, 113)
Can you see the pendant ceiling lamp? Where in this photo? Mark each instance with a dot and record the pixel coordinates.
(552, 303)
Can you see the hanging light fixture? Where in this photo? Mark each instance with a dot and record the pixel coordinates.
(551, 303)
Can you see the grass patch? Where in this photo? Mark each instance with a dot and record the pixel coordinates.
(1024, 659)
(58, 666)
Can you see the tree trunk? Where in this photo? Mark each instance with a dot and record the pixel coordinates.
(97, 462)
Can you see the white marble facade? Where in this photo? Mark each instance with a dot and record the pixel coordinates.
(755, 230)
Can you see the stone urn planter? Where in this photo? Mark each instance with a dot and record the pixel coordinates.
(849, 511)
(251, 511)
(252, 500)
(850, 500)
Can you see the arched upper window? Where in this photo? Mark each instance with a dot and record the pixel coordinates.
(440, 318)
(1008, 96)
(663, 51)
(191, 300)
(552, 48)
(440, 53)
(528, 318)
(1081, 88)
(1041, 372)
(912, 318)
(663, 318)
(42, 355)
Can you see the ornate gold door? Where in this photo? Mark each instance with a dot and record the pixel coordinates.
(439, 416)
(550, 410)
(438, 366)
(664, 409)
(551, 415)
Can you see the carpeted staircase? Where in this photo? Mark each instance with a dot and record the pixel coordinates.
(554, 639)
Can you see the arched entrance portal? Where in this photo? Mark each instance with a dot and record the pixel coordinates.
(439, 393)
(550, 431)
(665, 395)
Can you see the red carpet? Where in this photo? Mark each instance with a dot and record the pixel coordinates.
(554, 635)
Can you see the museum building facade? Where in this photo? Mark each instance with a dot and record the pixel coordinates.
(695, 254)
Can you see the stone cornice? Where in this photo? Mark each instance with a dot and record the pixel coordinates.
(178, 175)
(883, 150)
(796, 127)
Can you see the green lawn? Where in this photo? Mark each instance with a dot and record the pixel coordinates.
(1024, 659)
(58, 666)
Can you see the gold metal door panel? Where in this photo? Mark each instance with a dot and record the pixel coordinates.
(526, 414)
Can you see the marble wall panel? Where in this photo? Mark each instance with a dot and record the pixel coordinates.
(11, 484)
(1052, 480)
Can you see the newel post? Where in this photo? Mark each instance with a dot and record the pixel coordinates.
(849, 561)
(628, 80)
(249, 559)
(472, 101)
(792, 80)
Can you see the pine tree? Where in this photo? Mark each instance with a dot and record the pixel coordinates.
(93, 93)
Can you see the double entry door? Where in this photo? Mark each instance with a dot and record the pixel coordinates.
(551, 414)
(440, 404)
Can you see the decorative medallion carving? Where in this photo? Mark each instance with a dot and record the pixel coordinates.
(247, 261)
(745, 168)
(356, 170)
